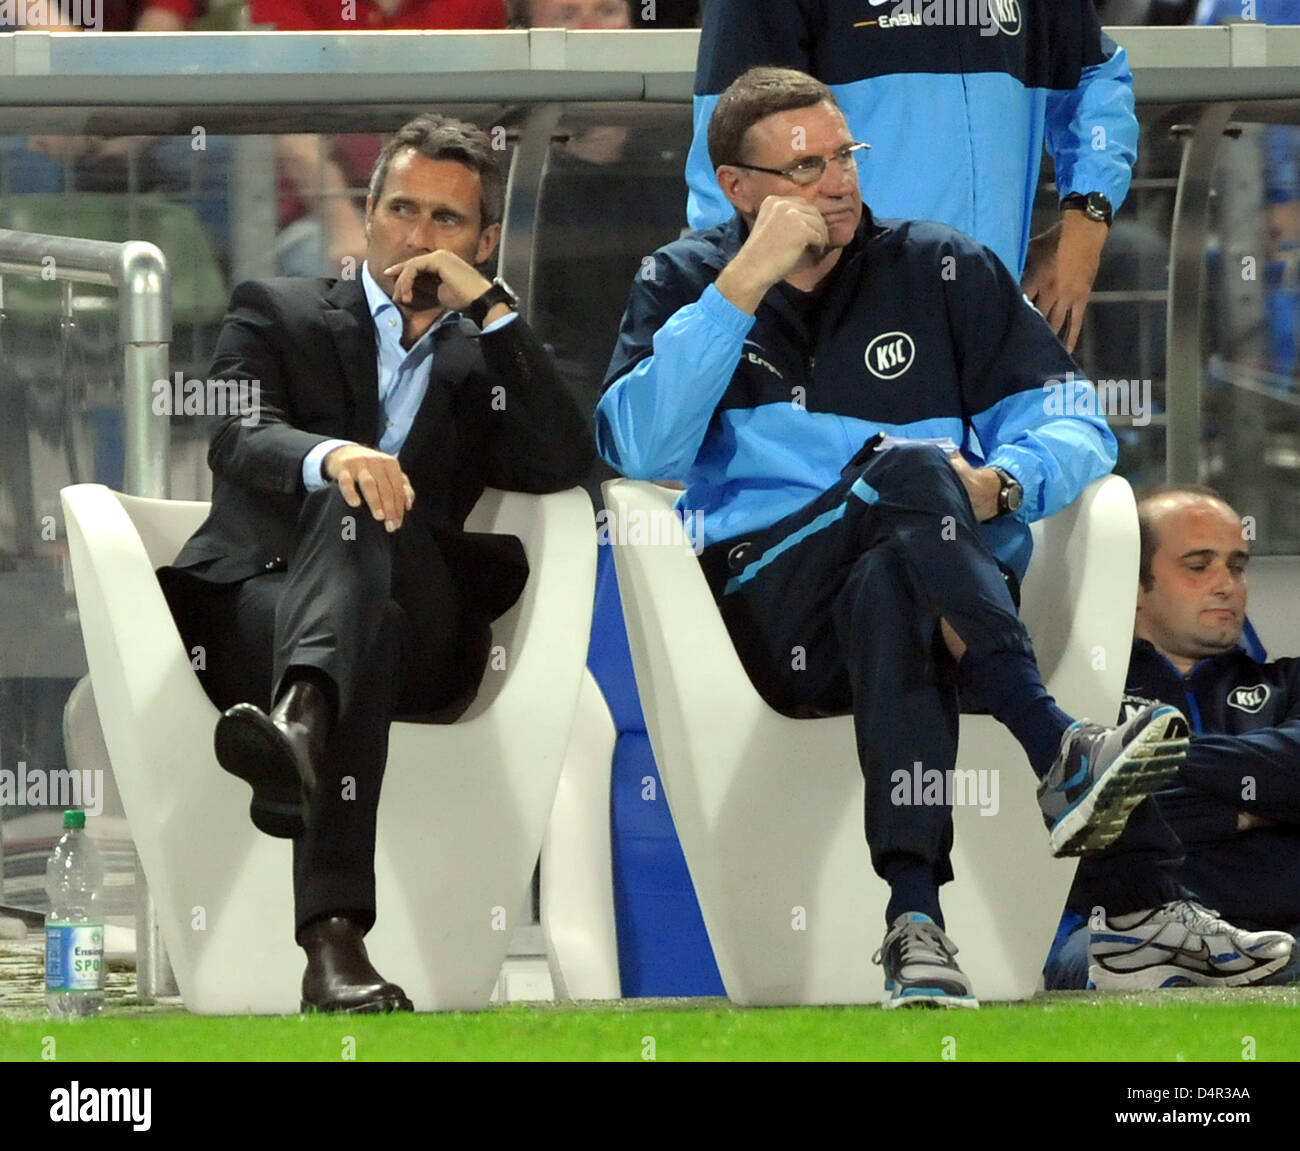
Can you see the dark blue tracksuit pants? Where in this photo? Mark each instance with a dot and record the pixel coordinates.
(836, 608)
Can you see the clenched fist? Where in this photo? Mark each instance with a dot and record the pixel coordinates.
(787, 232)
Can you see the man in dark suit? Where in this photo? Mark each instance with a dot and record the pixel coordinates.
(333, 582)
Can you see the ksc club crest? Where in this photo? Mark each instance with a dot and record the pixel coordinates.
(1006, 15)
(1249, 699)
(890, 354)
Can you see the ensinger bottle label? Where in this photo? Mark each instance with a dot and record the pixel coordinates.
(74, 956)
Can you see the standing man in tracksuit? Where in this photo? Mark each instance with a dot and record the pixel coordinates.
(759, 362)
(1228, 836)
(956, 114)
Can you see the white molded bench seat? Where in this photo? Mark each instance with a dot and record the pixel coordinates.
(464, 805)
(769, 809)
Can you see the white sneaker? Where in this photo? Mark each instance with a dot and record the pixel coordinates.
(1178, 944)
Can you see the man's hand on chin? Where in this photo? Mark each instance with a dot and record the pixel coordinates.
(436, 280)
(786, 233)
(373, 476)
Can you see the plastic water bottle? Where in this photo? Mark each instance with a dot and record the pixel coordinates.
(74, 928)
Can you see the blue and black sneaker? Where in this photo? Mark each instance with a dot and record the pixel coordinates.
(1102, 773)
(919, 967)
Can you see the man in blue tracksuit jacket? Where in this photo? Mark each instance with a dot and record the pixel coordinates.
(1228, 837)
(956, 100)
(760, 362)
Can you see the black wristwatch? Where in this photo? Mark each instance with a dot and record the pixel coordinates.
(1094, 205)
(498, 293)
(1011, 495)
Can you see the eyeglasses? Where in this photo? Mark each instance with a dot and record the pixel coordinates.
(813, 168)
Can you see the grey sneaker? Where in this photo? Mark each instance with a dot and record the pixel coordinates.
(1102, 773)
(919, 966)
(1179, 944)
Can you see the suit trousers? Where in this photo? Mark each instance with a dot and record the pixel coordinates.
(379, 619)
(836, 608)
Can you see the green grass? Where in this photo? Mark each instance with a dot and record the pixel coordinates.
(1170, 1028)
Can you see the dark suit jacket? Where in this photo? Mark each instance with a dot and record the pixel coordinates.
(495, 414)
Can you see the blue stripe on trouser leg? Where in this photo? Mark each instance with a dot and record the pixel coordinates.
(864, 491)
(792, 540)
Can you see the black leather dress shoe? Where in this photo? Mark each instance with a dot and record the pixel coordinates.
(339, 978)
(277, 754)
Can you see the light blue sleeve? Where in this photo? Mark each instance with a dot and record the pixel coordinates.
(705, 203)
(651, 422)
(1054, 457)
(312, 479)
(1092, 131)
(497, 325)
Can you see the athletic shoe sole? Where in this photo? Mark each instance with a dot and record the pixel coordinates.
(1171, 975)
(927, 997)
(1148, 764)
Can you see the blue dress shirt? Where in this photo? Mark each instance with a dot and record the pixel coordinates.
(403, 377)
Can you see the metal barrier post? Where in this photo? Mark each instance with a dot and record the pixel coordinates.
(1183, 369)
(139, 273)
